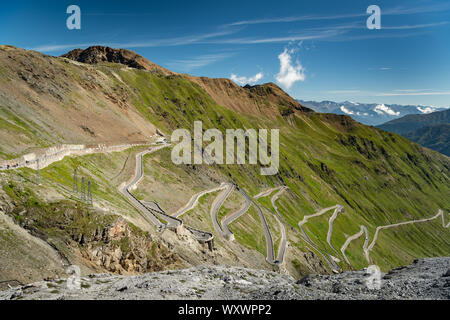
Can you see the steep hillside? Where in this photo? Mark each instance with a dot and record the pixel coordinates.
(327, 161)
(46, 101)
(413, 122)
(430, 130)
(436, 137)
(267, 99)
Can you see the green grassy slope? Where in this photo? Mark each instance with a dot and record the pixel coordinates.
(380, 178)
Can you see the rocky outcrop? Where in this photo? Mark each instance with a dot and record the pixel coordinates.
(102, 242)
(119, 249)
(424, 279)
(98, 54)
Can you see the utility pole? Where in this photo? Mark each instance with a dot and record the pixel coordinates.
(83, 190)
(89, 195)
(75, 182)
(38, 173)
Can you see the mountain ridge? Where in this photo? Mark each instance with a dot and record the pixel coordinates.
(223, 90)
(430, 130)
(98, 54)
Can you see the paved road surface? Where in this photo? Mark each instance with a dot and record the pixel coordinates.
(193, 202)
(266, 193)
(47, 159)
(270, 257)
(377, 231)
(234, 216)
(367, 248)
(172, 222)
(283, 241)
(354, 237)
(338, 210)
(328, 258)
(217, 204)
(139, 173)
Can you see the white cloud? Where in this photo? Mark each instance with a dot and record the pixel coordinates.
(426, 109)
(416, 26)
(245, 80)
(289, 73)
(405, 10)
(347, 111)
(198, 62)
(158, 42)
(382, 108)
(414, 93)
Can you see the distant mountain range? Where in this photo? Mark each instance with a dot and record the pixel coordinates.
(370, 114)
(430, 130)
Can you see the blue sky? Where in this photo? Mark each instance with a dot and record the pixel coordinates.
(315, 50)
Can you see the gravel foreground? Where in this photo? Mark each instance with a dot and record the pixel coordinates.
(423, 279)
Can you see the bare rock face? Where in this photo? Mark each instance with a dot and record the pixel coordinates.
(102, 243)
(98, 54)
(119, 249)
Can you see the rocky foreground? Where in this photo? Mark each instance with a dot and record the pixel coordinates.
(423, 279)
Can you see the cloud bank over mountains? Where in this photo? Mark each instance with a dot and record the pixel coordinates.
(370, 114)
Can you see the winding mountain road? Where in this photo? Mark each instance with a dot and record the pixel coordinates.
(367, 248)
(193, 202)
(125, 188)
(58, 153)
(270, 258)
(234, 216)
(338, 210)
(331, 260)
(283, 241)
(152, 211)
(172, 222)
(266, 193)
(377, 231)
(354, 237)
(217, 204)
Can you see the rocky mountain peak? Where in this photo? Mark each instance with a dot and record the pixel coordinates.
(98, 54)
